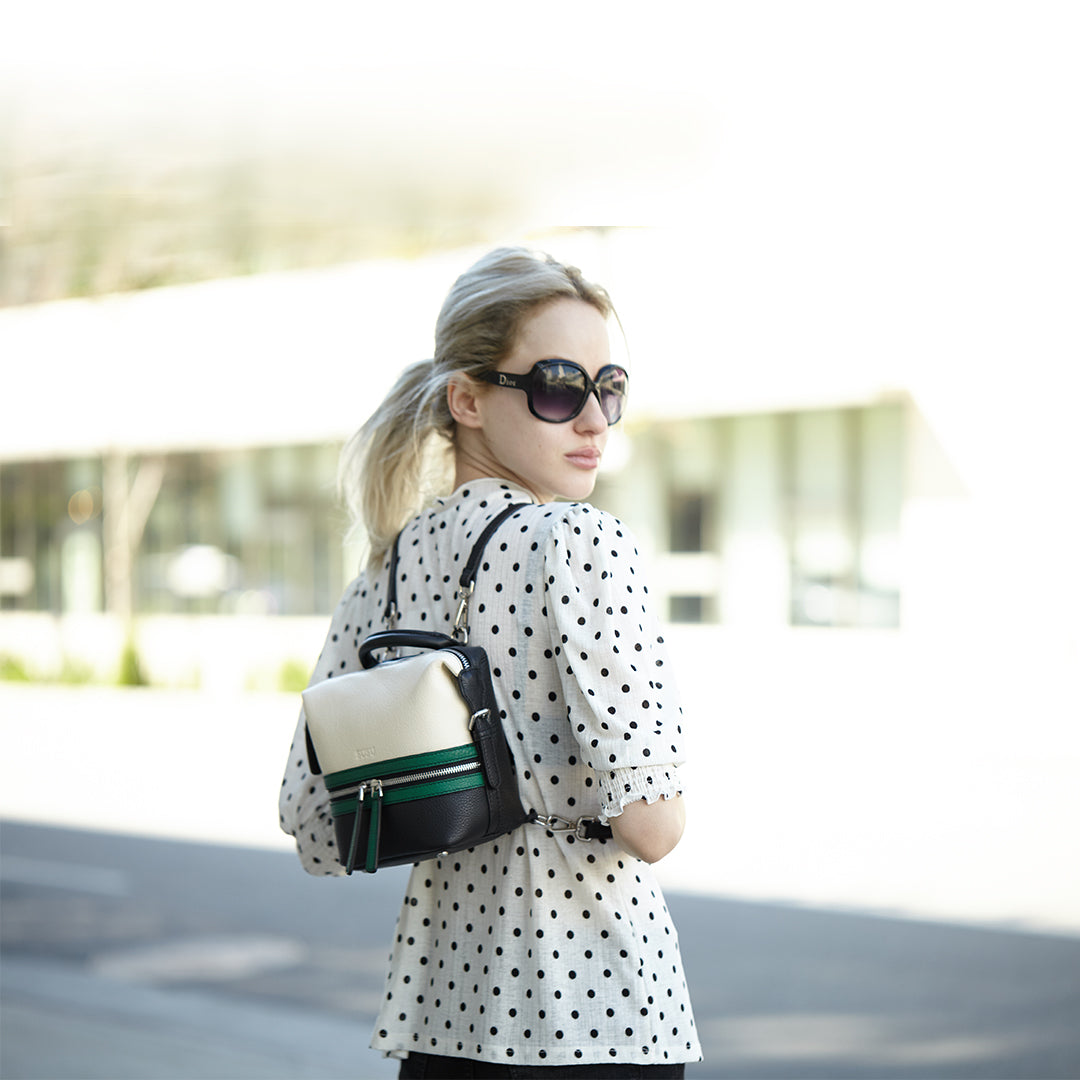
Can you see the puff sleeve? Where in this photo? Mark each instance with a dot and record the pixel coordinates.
(621, 700)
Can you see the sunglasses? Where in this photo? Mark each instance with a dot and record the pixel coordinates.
(559, 389)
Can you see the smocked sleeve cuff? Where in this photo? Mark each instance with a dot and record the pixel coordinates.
(620, 787)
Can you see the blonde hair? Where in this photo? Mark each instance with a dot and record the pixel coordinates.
(403, 453)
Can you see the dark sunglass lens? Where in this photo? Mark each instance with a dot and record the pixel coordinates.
(557, 391)
(612, 386)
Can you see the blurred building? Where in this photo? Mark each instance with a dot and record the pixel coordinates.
(167, 465)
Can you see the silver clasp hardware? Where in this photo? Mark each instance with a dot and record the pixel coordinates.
(461, 620)
(557, 824)
(479, 715)
(392, 617)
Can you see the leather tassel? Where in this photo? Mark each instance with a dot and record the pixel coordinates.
(350, 862)
(371, 863)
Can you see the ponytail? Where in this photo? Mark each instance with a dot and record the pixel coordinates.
(401, 453)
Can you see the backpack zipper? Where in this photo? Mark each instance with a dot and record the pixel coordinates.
(348, 796)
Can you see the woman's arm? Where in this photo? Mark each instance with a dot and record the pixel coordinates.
(648, 831)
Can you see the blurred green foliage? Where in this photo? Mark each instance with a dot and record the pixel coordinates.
(71, 672)
(12, 669)
(293, 677)
(131, 672)
(75, 673)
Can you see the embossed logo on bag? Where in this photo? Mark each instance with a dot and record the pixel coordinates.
(365, 753)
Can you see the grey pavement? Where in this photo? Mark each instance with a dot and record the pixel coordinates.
(156, 959)
(61, 1022)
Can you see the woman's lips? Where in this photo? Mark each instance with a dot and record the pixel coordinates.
(586, 458)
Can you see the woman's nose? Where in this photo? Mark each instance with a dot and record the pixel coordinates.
(591, 417)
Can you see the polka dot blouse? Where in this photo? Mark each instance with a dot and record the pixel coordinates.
(538, 948)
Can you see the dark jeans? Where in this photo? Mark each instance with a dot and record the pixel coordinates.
(433, 1067)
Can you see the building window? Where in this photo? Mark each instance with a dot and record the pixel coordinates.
(688, 518)
(691, 609)
(244, 532)
(844, 497)
(774, 518)
(50, 536)
(239, 532)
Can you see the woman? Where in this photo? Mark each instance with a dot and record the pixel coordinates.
(540, 953)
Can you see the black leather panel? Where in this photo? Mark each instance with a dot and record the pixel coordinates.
(412, 831)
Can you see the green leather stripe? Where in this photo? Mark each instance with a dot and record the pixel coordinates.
(384, 770)
(409, 793)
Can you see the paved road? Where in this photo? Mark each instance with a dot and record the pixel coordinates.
(133, 958)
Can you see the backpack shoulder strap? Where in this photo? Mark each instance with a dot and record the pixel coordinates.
(390, 612)
(468, 576)
(465, 584)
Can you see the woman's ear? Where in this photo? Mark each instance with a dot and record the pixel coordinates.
(463, 400)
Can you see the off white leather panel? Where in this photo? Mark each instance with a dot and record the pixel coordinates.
(399, 708)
